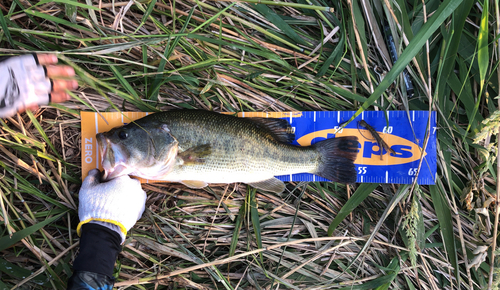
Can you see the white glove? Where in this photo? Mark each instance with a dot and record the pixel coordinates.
(23, 83)
(120, 201)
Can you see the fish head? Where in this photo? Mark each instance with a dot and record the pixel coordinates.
(147, 151)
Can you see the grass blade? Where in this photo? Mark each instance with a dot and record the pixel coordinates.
(278, 21)
(7, 241)
(443, 213)
(68, 2)
(482, 43)
(13, 270)
(57, 20)
(482, 57)
(359, 195)
(237, 229)
(254, 214)
(434, 22)
(459, 17)
(5, 29)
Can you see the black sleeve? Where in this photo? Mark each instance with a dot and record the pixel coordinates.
(93, 267)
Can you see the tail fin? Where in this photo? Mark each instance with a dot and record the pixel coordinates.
(337, 159)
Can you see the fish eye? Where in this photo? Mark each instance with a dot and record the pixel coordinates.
(122, 135)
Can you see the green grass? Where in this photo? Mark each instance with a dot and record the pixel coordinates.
(262, 56)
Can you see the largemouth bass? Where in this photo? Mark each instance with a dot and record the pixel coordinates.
(200, 147)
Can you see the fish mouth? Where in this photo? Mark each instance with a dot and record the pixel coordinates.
(114, 172)
(108, 152)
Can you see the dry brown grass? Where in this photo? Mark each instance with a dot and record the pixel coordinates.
(236, 56)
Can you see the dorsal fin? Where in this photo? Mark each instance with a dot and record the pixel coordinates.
(280, 129)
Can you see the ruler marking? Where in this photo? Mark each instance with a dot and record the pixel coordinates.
(314, 124)
(386, 176)
(96, 144)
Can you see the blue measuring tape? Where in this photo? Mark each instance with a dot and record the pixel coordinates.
(404, 133)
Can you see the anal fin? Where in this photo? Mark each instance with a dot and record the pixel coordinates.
(194, 183)
(273, 185)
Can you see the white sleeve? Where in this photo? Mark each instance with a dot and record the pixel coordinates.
(22, 83)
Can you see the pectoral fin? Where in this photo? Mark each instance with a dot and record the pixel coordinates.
(194, 183)
(195, 155)
(273, 185)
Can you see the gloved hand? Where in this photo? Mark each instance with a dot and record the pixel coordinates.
(29, 80)
(120, 201)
